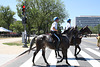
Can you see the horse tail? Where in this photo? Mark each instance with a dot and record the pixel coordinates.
(26, 51)
(31, 43)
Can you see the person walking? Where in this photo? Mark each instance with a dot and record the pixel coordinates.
(98, 40)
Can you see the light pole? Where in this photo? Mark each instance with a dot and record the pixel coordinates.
(24, 19)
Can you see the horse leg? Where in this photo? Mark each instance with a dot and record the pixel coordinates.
(35, 53)
(79, 49)
(62, 57)
(66, 58)
(59, 55)
(56, 53)
(60, 60)
(75, 51)
(43, 54)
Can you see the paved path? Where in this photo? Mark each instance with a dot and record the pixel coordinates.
(8, 53)
(88, 57)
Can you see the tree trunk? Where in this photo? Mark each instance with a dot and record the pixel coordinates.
(8, 25)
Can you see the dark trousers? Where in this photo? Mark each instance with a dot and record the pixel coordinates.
(54, 33)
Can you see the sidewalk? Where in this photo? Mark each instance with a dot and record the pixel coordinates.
(8, 53)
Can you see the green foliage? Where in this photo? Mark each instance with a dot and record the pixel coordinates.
(17, 27)
(11, 44)
(17, 43)
(79, 28)
(95, 29)
(6, 16)
(40, 13)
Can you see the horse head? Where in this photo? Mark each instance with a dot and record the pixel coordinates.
(86, 30)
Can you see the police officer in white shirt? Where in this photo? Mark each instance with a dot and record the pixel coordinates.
(68, 24)
(54, 31)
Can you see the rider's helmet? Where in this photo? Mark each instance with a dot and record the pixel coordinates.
(55, 18)
(68, 20)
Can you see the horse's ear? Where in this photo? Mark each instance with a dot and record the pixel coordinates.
(76, 27)
(87, 26)
(84, 27)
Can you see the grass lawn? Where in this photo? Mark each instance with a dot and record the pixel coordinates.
(17, 43)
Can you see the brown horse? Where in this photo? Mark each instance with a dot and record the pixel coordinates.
(43, 41)
(78, 36)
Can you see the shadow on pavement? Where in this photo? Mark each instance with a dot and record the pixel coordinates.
(54, 66)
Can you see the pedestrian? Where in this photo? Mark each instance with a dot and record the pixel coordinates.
(98, 42)
(54, 32)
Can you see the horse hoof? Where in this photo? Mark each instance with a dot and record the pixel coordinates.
(76, 57)
(58, 61)
(69, 65)
(48, 64)
(77, 53)
(33, 64)
(60, 56)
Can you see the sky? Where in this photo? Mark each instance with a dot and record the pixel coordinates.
(74, 8)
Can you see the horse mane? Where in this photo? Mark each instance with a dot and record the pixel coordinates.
(82, 30)
(66, 31)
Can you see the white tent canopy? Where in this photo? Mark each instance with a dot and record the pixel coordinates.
(4, 30)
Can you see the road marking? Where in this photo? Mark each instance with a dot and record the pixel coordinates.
(97, 48)
(28, 63)
(90, 59)
(89, 41)
(73, 61)
(52, 60)
(93, 51)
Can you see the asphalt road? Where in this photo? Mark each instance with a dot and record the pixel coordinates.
(88, 57)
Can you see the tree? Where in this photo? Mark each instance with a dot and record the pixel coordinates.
(40, 13)
(17, 27)
(6, 16)
(95, 29)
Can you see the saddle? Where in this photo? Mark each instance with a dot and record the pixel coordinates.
(53, 39)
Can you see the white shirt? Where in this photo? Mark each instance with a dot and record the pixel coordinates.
(54, 24)
(68, 26)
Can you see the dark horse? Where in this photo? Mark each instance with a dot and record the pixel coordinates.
(78, 36)
(84, 31)
(43, 41)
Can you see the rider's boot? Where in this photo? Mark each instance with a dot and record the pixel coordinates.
(57, 46)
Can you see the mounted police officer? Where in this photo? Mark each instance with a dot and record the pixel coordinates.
(54, 32)
(68, 24)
